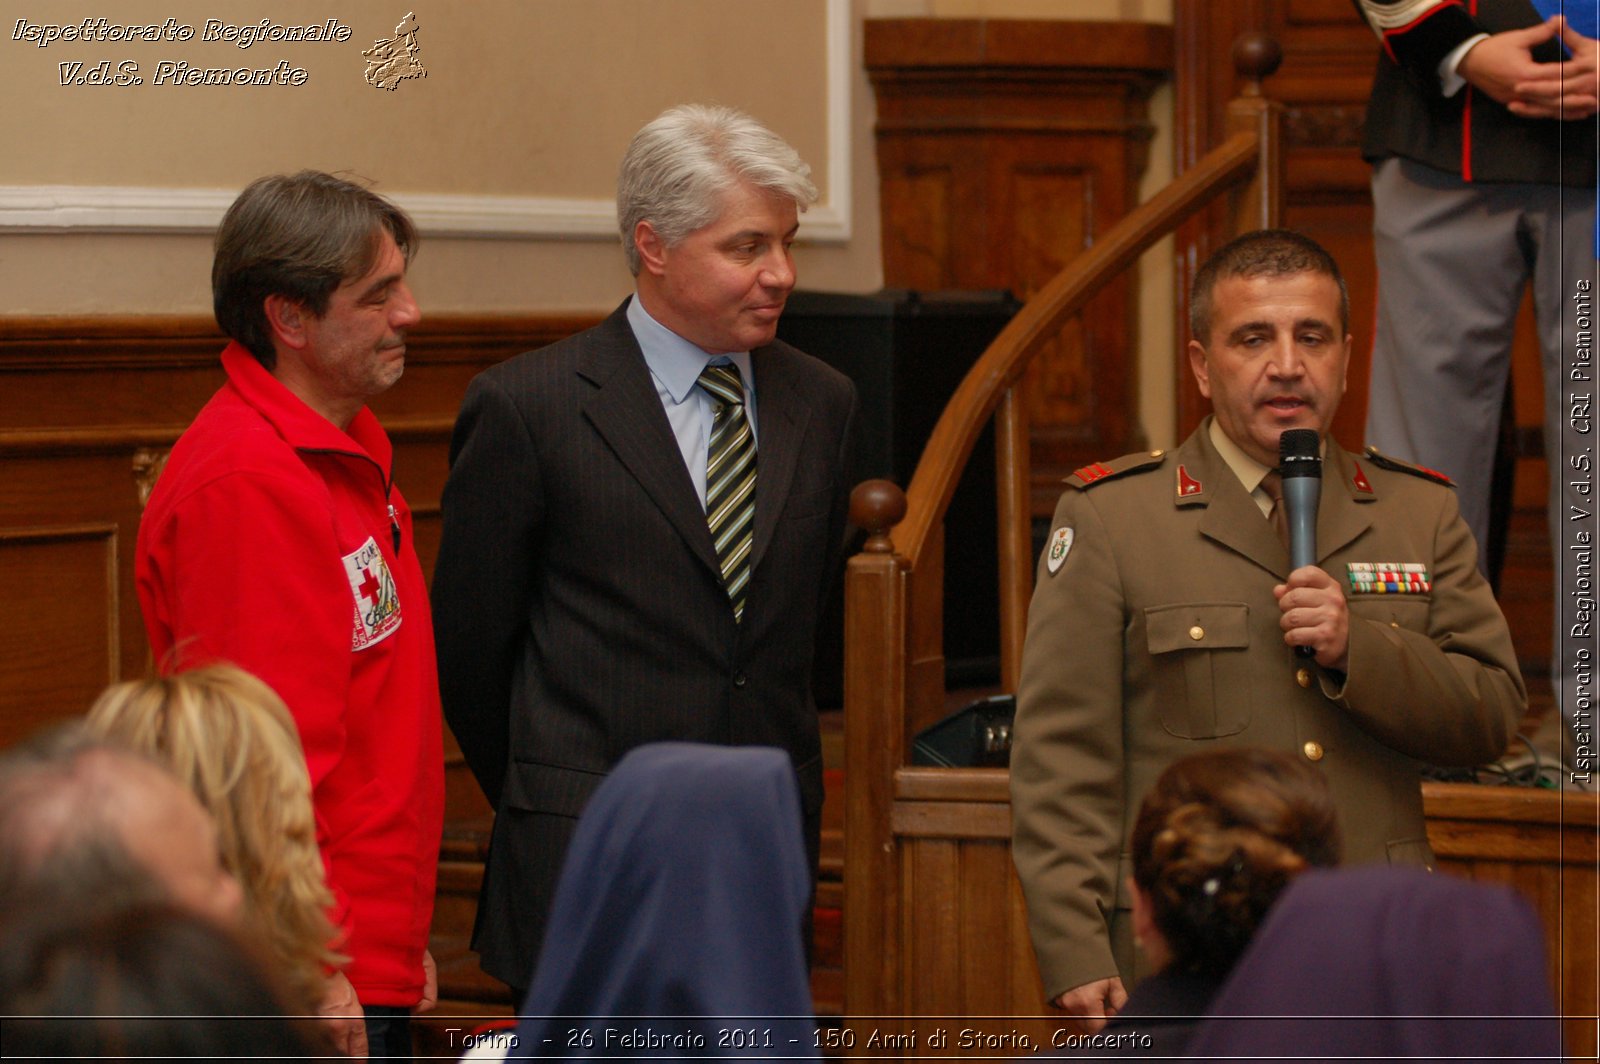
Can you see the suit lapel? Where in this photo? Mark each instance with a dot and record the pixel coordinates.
(782, 413)
(626, 411)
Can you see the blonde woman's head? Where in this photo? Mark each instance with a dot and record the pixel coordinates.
(230, 738)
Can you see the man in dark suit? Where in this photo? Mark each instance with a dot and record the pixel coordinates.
(641, 521)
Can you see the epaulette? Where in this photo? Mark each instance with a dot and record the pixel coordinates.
(1099, 472)
(1383, 461)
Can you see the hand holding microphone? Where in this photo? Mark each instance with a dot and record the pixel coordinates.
(1315, 617)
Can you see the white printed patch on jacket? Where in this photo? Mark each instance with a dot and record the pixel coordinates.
(1060, 544)
(377, 602)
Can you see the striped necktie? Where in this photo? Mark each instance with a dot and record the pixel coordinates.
(730, 480)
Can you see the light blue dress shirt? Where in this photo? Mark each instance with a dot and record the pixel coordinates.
(675, 367)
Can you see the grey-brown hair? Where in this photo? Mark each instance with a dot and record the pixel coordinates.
(298, 236)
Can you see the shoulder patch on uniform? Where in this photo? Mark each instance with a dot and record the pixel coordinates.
(1060, 544)
(1096, 472)
(1383, 461)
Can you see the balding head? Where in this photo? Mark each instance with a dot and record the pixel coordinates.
(88, 824)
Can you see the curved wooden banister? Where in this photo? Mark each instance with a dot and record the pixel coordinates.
(1002, 365)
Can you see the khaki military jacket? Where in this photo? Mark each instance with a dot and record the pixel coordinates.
(1153, 634)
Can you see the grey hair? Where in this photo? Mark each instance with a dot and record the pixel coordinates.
(679, 165)
(57, 837)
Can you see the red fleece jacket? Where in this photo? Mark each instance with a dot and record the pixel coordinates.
(278, 542)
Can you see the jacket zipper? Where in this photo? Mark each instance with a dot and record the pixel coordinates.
(383, 477)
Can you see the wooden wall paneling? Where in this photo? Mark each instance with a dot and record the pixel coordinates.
(915, 201)
(60, 621)
(1004, 148)
(984, 918)
(1022, 977)
(932, 939)
(1542, 844)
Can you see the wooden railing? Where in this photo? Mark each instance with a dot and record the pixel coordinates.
(933, 919)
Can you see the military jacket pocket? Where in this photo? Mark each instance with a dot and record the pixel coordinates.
(1199, 654)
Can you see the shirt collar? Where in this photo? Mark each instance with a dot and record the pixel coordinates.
(1249, 471)
(675, 362)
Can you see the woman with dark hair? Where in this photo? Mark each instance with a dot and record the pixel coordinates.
(1216, 841)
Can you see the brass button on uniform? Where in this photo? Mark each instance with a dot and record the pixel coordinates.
(1157, 453)
(1313, 751)
(1197, 632)
(1303, 677)
(1394, 624)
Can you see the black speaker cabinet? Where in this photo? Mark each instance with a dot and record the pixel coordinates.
(907, 351)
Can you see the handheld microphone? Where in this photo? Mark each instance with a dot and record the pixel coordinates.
(1300, 464)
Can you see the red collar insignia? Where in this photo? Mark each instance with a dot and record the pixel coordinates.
(1187, 485)
(1360, 480)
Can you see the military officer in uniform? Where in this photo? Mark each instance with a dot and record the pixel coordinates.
(1165, 618)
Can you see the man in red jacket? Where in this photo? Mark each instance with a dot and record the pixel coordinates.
(275, 539)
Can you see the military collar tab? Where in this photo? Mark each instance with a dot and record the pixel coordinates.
(1187, 488)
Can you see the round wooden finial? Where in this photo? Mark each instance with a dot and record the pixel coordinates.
(1256, 55)
(876, 506)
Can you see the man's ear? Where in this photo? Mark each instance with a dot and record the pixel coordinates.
(287, 321)
(1197, 363)
(652, 249)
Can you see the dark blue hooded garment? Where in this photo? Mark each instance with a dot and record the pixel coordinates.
(676, 927)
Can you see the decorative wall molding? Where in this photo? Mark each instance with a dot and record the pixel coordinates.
(37, 209)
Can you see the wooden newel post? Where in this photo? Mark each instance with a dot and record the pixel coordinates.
(874, 744)
(1259, 205)
(876, 506)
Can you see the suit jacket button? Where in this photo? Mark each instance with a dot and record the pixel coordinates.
(1313, 751)
(739, 679)
(1303, 677)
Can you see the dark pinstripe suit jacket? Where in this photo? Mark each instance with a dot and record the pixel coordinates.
(578, 606)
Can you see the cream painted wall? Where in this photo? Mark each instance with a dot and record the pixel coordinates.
(525, 102)
(1072, 10)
